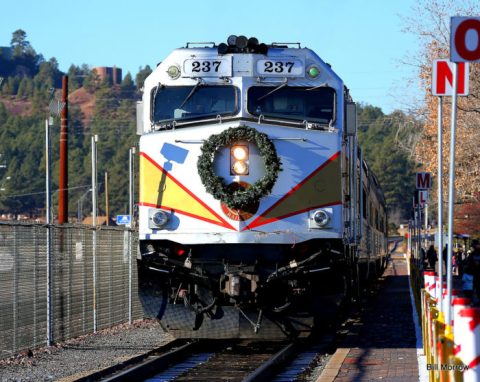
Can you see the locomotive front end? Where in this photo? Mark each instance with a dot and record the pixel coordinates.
(241, 210)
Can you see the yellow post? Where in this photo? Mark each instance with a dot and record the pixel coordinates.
(423, 294)
(455, 373)
(445, 352)
(438, 326)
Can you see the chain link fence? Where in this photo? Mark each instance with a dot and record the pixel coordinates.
(91, 287)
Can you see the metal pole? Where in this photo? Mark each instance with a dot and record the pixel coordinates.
(94, 223)
(131, 153)
(94, 179)
(63, 175)
(426, 224)
(419, 230)
(106, 199)
(415, 236)
(409, 241)
(451, 194)
(440, 204)
(131, 158)
(48, 215)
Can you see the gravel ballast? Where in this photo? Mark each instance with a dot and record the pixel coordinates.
(85, 355)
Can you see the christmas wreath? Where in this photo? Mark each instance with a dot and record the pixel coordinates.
(215, 185)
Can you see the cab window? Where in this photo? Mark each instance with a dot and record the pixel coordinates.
(297, 103)
(191, 102)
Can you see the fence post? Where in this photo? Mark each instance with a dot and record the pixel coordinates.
(15, 289)
(130, 278)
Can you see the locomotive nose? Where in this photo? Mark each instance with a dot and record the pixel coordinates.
(239, 155)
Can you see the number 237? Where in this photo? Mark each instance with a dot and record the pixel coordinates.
(278, 66)
(205, 66)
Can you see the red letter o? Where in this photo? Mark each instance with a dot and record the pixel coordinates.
(460, 37)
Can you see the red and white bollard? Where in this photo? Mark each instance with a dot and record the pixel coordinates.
(459, 303)
(467, 332)
(455, 293)
(429, 281)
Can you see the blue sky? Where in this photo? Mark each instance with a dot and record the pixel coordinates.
(362, 40)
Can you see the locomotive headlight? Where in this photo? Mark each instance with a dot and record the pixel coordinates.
(240, 152)
(321, 218)
(239, 160)
(160, 218)
(240, 168)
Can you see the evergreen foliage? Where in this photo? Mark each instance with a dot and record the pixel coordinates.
(29, 77)
(378, 138)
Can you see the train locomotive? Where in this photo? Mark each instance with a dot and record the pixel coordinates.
(257, 213)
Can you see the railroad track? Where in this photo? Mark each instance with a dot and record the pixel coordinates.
(221, 360)
(235, 360)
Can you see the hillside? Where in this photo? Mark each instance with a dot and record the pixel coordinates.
(23, 107)
(18, 107)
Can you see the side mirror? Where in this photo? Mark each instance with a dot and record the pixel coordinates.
(139, 117)
(351, 119)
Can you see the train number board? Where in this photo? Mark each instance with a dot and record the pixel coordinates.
(208, 67)
(283, 67)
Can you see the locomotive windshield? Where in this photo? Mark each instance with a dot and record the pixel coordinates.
(190, 102)
(298, 103)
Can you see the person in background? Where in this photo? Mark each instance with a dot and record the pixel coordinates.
(423, 257)
(432, 257)
(455, 260)
(475, 261)
(460, 261)
(444, 256)
(467, 279)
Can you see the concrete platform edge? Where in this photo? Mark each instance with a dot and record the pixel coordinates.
(422, 360)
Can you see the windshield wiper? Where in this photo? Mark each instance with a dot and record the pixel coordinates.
(282, 85)
(324, 85)
(192, 92)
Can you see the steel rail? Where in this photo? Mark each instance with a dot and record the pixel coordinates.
(144, 365)
(269, 368)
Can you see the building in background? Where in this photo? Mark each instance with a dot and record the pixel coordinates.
(108, 72)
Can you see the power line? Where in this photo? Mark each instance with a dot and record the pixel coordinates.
(44, 192)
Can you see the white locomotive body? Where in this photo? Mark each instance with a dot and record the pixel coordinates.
(254, 198)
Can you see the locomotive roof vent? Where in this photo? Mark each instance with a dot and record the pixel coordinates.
(242, 44)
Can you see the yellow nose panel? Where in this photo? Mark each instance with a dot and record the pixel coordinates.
(159, 189)
(320, 189)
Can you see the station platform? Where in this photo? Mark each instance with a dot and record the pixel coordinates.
(382, 345)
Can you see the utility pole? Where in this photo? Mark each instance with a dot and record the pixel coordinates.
(63, 178)
(48, 216)
(94, 179)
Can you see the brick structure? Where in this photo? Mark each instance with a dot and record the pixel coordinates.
(113, 73)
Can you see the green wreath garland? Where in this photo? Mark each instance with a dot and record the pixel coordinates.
(215, 185)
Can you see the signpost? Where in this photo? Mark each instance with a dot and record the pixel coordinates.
(464, 47)
(442, 78)
(124, 219)
(422, 198)
(465, 39)
(423, 180)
